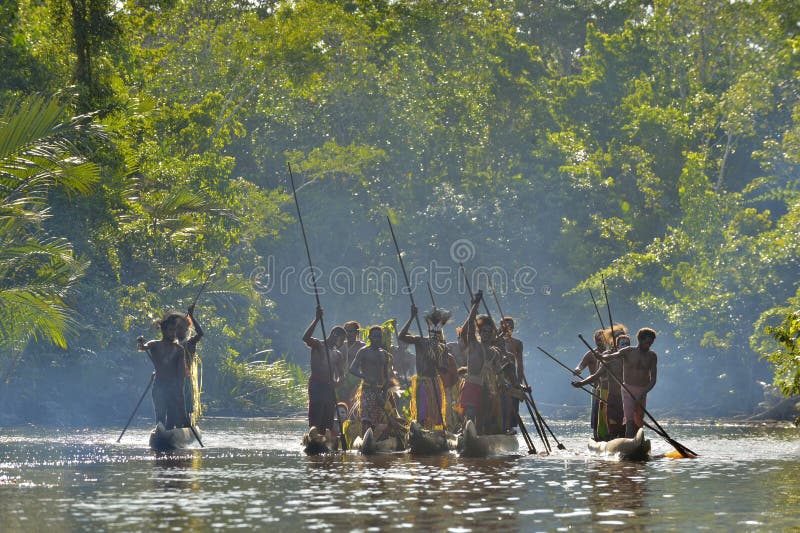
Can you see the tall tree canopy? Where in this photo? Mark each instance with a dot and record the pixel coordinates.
(655, 144)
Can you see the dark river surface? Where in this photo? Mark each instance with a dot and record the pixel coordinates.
(252, 474)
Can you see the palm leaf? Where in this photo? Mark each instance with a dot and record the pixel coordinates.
(39, 150)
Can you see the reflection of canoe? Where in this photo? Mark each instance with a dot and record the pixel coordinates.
(164, 440)
(635, 449)
(368, 445)
(316, 442)
(426, 442)
(470, 444)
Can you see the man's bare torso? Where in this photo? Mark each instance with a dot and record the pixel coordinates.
(637, 366)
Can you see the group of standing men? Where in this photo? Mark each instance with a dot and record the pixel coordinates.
(622, 375)
(479, 377)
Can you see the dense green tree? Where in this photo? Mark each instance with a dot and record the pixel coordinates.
(653, 143)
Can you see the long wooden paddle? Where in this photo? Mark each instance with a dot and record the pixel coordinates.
(149, 384)
(525, 436)
(196, 435)
(342, 437)
(571, 371)
(683, 450)
(419, 326)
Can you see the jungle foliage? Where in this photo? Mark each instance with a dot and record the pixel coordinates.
(653, 143)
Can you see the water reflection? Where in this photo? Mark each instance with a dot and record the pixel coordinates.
(253, 475)
(617, 492)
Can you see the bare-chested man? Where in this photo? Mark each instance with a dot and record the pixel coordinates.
(639, 374)
(427, 400)
(169, 356)
(589, 360)
(352, 345)
(513, 347)
(323, 379)
(481, 396)
(372, 365)
(609, 395)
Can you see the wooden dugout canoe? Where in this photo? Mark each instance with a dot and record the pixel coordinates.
(165, 440)
(369, 445)
(426, 442)
(317, 442)
(470, 444)
(635, 449)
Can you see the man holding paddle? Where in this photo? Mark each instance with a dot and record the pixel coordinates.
(323, 379)
(638, 378)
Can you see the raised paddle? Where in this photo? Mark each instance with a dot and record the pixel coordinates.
(497, 332)
(205, 283)
(602, 326)
(342, 437)
(683, 450)
(149, 384)
(411, 296)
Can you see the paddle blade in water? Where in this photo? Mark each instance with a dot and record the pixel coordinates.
(675, 454)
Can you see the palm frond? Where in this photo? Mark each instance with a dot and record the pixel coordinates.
(177, 202)
(39, 150)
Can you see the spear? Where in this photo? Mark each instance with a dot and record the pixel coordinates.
(430, 291)
(571, 371)
(208, 278)
(342, 438)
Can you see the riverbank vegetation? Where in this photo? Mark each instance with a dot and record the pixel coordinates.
(144, 143)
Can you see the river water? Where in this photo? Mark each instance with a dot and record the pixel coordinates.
(252, 474)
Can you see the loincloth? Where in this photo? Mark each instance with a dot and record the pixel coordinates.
(633, 410)
(427, 401)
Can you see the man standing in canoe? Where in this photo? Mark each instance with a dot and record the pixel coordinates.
(482, 395)
(375, 410)
(639, 374)
(323, 379)
(169, 360)
(513, 346)
(472, 392)
(589, 360)
(352, 345)
(610, 413)
(427, 390)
